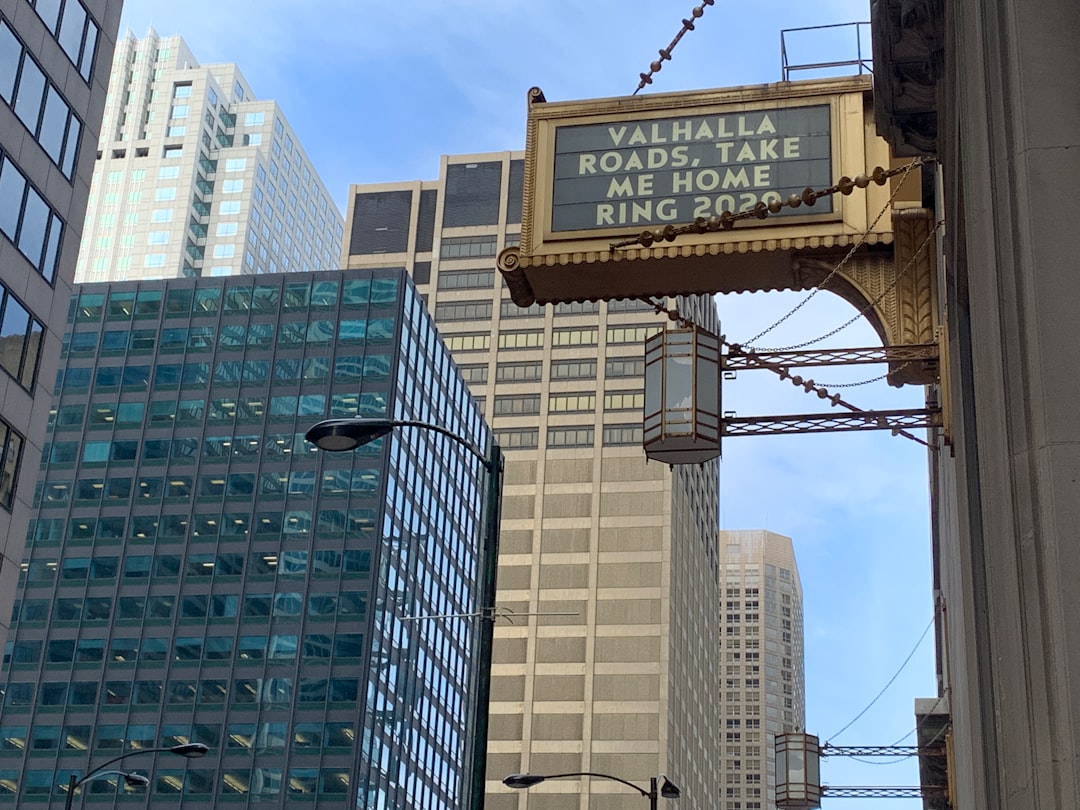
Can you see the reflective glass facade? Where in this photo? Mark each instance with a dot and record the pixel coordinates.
(198, 572)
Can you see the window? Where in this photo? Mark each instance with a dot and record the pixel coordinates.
(161, 215)
(229, 207)
(463, 311)
(165, 194)
(468, 342)
(474, 374)
(466, 279)
(570, 436)
(518, 439)
(631, 334)
(624, 400)
(236, 164)
(232, 186)
(517, 405)
(573, 369)
(463, 247)
(622, 434)
(625, 367)
(523, 339)
(37, 102)
(28, 221)
(574, 337)
(509, 309)
(562, 403)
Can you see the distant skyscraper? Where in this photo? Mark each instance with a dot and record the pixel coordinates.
(608, 661)
(198, 572)
(196, 177)
(54, 59)
(764, 679)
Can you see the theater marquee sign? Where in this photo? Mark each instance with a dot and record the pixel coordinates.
(600, 174)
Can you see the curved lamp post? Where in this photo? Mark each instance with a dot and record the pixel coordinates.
(343, 435)
(667, 788)
(188, 750)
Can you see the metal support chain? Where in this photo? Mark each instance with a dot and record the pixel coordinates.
(726, 220)
(665, 53)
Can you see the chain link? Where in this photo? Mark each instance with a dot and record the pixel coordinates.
(665, 53)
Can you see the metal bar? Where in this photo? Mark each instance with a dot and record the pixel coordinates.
(750, 359)
(896, 792)
(880, 751)
(896, 420)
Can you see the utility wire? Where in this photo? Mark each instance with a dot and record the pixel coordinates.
(890, 683)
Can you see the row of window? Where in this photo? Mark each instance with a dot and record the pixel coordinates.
(228, 409)
(74, 30)
(260, 691)
(309, 648)
(203, 338)
(254, 607)
(534, 338)
(317, 564)
(293, 524)
(11, 448)
(507, 405)
(568, 436)
(83, 491)
(234, 299)
(37, 101)
(28, 220)
(187, 449)
(305, 737)
(261, 782)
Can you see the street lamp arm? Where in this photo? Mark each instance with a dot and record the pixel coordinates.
(96, 771)
(638, 788)
(475, 451)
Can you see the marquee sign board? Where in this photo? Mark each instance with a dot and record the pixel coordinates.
(657, 171)
(603, 171)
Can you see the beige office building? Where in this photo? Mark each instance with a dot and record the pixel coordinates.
(762, 650)
(608, 576)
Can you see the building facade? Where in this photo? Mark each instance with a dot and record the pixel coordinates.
(973, 85)
(54, 61)
(605, 658)
(764, 676)
(197, 177)
(197, 572)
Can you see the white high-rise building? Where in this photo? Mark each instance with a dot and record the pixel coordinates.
(763, 674)
(197, 177)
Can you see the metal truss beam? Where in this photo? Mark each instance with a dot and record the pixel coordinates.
(896, 792)
(897, 420)
(740, 360)
(880, 751)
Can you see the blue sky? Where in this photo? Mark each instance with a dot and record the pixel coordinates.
(377, 91)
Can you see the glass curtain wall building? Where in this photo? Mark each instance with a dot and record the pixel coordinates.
(764, 690)
(197, 177)
(54, 57)
(198, 572)
(609, 563)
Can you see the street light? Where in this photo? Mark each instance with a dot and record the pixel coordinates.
(667, 788)
(188, 750)
(342, 435)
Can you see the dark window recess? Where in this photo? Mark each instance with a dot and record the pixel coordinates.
(515, 192)
(425, 224)
(421, 273)
(381, 222)
(472, 194)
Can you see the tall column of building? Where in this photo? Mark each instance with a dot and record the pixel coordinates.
(197, 177)
(54, 61)
(605, 658)
(763, 678)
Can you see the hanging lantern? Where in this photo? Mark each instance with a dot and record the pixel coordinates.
(798, 771)
(682, 396)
